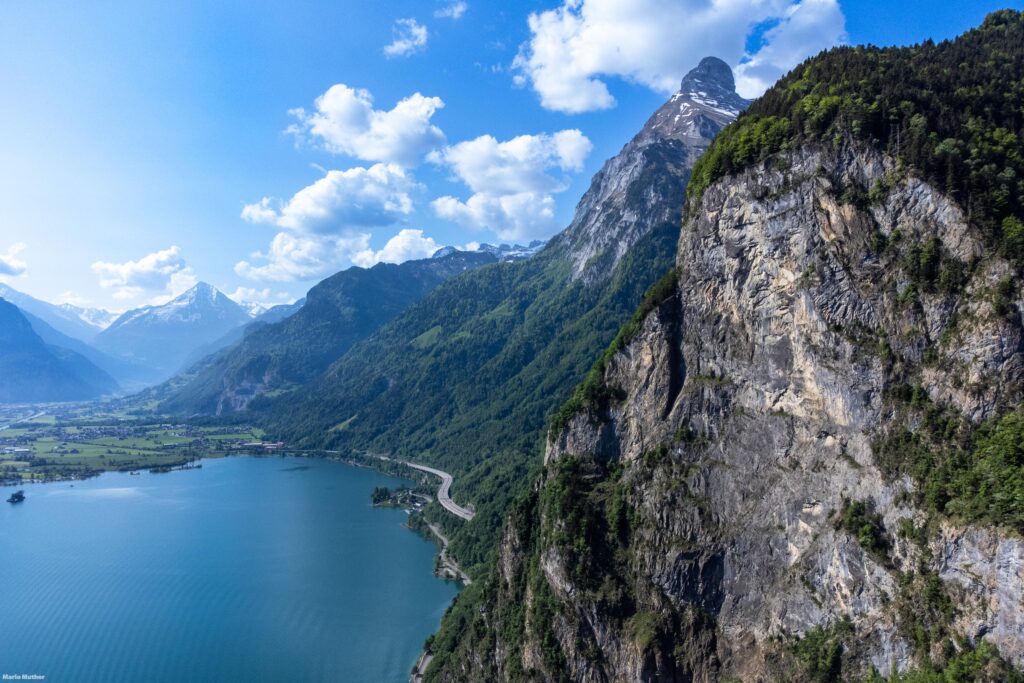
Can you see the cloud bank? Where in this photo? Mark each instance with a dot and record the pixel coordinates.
(513, 182)
(345, 122)
(575, 48)
(162, 274)
(326, 225)
(408, 244)
(10, 264)
(341, 200)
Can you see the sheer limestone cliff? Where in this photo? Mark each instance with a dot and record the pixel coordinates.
(693, 521)
(803, 458)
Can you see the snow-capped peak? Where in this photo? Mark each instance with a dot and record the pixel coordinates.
(706, 101)
(99, 318)
(253, 308)
(201, 301)
(504, 252)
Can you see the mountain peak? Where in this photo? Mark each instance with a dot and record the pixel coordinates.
(711, 72)
(161, 338)
(200, 289)
(680, 130)
(706, 102)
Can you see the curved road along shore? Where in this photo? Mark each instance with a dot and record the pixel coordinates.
(442, 493)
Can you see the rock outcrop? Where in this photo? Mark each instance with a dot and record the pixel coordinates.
(630, 193)
(692, 521)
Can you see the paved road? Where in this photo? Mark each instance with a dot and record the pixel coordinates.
(442, 493)
(447, 563)
(24, 419)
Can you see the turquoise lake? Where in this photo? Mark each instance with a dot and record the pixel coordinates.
(249, 569)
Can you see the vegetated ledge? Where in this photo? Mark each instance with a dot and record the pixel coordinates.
(592, 394)
(838, 502)
(952, 111)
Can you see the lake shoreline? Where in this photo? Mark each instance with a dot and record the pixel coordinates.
(445, 567)
(248, 487)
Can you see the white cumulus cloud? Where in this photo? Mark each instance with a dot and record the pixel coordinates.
(324, 225)
(161, 274)
(345, 122)
(453, 10)
(807, 28)
(260, 212)
(512, 181)
(10, 264)
(303, 257)
(265, 297)
(408, 244)
(408, 37)
(573, 49)
(341, 200)
(518, 216)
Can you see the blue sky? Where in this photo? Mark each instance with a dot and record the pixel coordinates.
(135, 135)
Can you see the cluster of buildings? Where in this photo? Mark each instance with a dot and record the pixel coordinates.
(268, 446)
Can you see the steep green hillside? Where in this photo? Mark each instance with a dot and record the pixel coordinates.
(801, 459)
(341, 310)
(467, 377)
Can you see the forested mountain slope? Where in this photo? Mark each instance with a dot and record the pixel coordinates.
(467, 377)
(341, 310)
(802, 459)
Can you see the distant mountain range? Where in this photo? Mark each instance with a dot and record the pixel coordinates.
(161, 338)
(33, 371)
(341, 310)
(80, 323)
(145, 345)
(188, 337)
(503, 252)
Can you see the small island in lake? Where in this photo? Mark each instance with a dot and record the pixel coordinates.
(17, 497)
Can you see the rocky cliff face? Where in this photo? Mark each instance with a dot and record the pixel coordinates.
(633, 190)
(731, 505)
(465, 378)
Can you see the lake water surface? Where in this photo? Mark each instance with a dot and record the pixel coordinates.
(249, 569)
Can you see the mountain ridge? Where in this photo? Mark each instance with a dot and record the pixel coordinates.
(466, 378)
(32, 371)
(800, 459)
(338, 311)
(80, 323)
